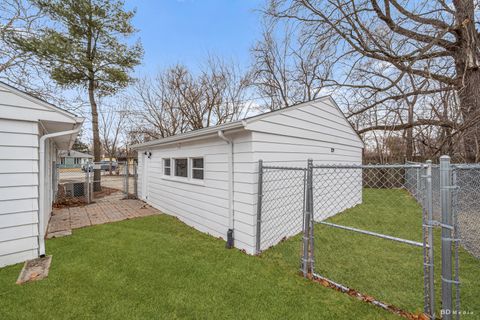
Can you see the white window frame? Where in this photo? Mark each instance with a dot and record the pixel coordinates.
(175, 168)
(192, 168)
(189, 178)
(164, 167)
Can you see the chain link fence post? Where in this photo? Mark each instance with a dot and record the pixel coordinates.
(430, 255)
(127, 174)
(312, 219)
(422, 187)
(87, 185)
(259, 206)
(135, 180)
(446, 205)
(307, 223)
(456, 244)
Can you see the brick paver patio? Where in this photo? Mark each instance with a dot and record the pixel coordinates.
(108, 209)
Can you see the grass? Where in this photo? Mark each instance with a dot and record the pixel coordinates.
(389, 271)
(159, 268)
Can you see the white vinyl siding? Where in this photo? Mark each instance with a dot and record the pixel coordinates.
(18, 190)
(20, 129)
(202, 204)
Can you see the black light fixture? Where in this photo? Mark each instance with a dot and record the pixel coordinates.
(332, 149)
(145, 153)
(149, 155)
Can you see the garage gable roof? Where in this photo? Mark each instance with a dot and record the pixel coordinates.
(242, 124)
(35, 108)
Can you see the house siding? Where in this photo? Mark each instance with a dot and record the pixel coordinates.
(18, 191)
(203, 205)
(293, 137)
(20, 131)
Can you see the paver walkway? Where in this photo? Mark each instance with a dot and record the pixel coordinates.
(108, 209)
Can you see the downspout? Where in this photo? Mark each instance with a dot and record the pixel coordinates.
(41, 186)
(222, 136)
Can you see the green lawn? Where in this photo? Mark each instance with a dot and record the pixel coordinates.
(389, 271)
(157, 267)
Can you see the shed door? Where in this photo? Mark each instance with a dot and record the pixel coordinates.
(145, 177)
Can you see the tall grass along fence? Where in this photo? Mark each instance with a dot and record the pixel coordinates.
(348, 217)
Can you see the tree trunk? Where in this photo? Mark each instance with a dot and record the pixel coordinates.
(470, 107)
(96, 136)
(467, 65)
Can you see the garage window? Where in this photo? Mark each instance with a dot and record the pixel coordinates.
(166, 167)
(181, 167)
(197, 168)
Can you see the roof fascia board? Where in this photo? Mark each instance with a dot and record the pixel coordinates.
(191, 136)
(41, 102)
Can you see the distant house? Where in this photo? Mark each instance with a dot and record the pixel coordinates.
(73, 159)
(31, 132)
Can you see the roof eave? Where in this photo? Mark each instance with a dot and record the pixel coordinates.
(191, 136)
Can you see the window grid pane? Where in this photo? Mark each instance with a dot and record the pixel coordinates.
(166, 167)
(181, 167)
(197, 174)
(197, 163)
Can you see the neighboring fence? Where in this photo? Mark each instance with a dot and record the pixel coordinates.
(78, 186)
(293, 200)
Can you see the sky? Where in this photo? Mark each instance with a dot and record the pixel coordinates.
(187, 31)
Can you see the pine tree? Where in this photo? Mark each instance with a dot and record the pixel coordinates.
(83, 47)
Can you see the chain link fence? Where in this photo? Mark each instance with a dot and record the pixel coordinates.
(401, 204)
(282, 199)
(72, 187)
(95, 180)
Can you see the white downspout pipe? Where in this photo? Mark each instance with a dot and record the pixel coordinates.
(41, 186)
(230, 189)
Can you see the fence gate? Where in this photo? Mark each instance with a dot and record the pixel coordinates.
(86, 183)
(383, 213)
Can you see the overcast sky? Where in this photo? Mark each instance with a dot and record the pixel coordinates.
(186, 31)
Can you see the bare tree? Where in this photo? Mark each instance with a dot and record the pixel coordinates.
(432, 41)
(19, 18)
(156, 104)
(16, 18)
(177, 101)
(288, 66)
(111, 126)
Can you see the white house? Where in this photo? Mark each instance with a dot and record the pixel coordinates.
(73, 159)
(208, 177)
(31, 132)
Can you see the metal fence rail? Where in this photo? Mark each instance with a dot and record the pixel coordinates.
(291, 200)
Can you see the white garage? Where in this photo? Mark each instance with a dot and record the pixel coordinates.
(208, 177)
(31, 132)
